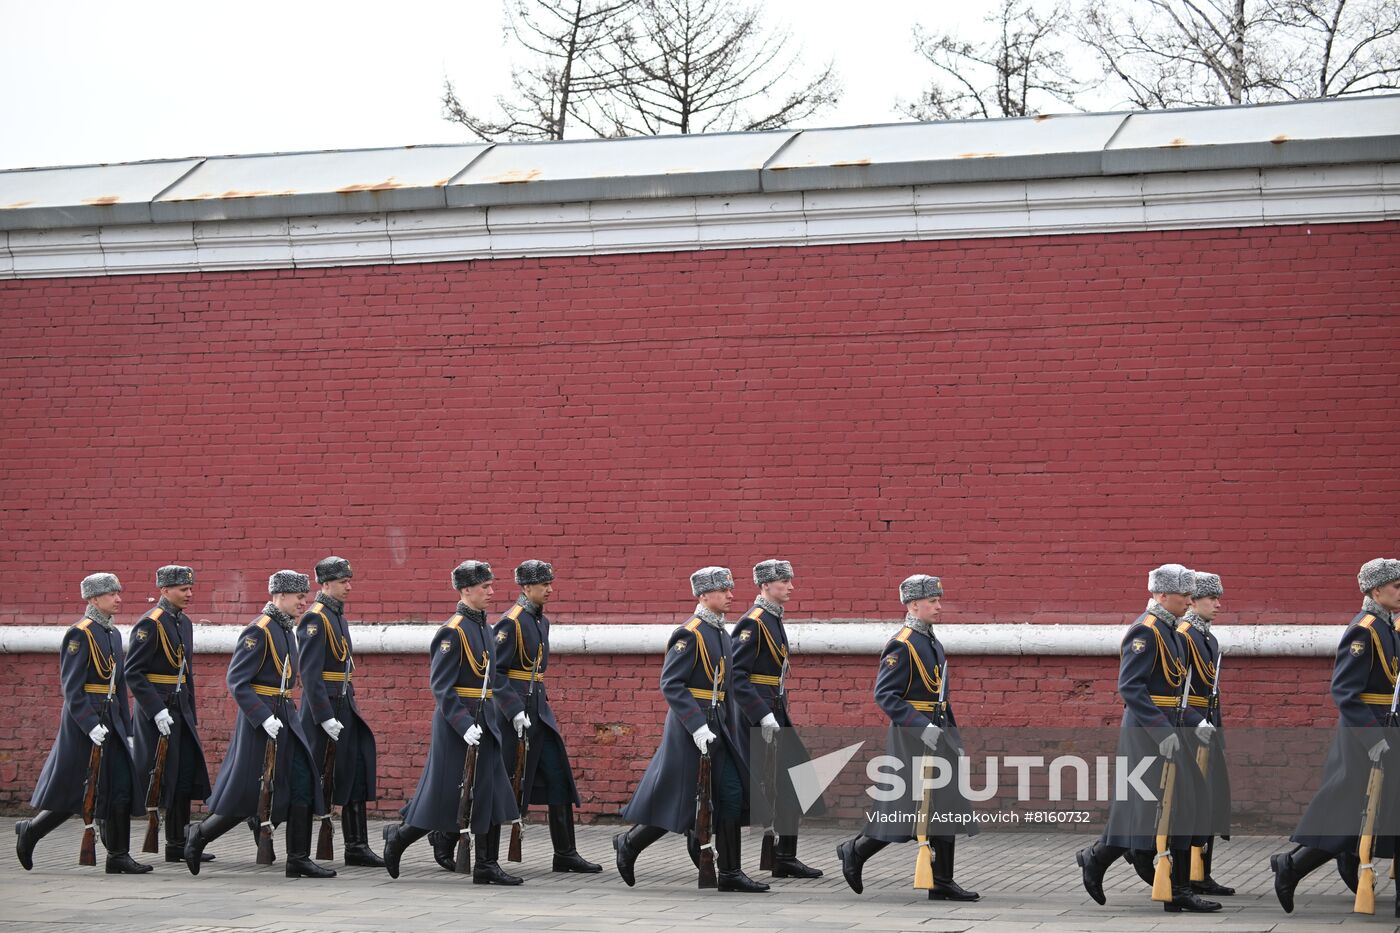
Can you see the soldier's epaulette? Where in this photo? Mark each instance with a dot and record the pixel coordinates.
(1150, 621)
(693, 625)
(155, 614)
(82, 624)
(1367, 622)
(514, 614)
(454, 622)
(320, 610)
(1183, 628)
(904, 634)
(756, 614)
(262, 621)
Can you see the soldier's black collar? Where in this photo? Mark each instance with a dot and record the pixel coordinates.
(534, 608)
(98, 616)
(709, 618)
(769, 606)
(169, 607)
(1381, 613)
(331, 603)
(467, 612)
(918, 625)
(277, 615)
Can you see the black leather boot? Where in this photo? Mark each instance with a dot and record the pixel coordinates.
(629, 845)
(1144, 862)
(177, 821)
(199, 835)
(1093, 862)
(487, 869)
(561, 833)
(785, 862)
(299, 864)
(944, 887)
(398, 837)
(1292, 867)
(444, 849)
(1349, 869)
(116, 838)
(1210, 885)
(354, 823)
(731, 876)
(30, 831)
(1183, 898)
(853, 854)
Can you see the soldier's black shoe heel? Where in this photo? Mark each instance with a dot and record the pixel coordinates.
(1091, 873)
(629, 845)
(30, 831)
(951, 891)
(1291, 868)
(738, 881)
(561, 834)
(354, 822)
(493, 873)
(121, 863)
(575, 863)
(443, 850)
(199, 835)
(299, 864)
(177, 854)
(792, 868)
(1211, 887)
(1184, 900)
(853, 855)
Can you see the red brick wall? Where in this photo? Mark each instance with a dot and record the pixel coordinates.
(611, 710)
(1038, 419)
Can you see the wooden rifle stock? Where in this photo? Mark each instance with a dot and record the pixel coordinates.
(1366, 875)
(265, 803)
(87, 851)
(465, 805)
(325, 847)
(153, 789)
(923, 859)
(704, 824)
(522, 752)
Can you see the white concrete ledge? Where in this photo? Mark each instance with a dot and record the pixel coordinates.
(836, 638)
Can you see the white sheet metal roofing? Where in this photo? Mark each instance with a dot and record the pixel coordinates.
(378, 181)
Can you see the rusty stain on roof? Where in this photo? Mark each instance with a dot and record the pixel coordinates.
(102, 201)
(979, 155)
(387, 184)
(1175, 143)
(17, 204)
(850, 163)
(516, 176)
(1280, 138)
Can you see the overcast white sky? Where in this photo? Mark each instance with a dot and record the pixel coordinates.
(83, 81)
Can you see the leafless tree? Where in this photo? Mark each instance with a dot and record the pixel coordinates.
(1346, 46)
(708, 65)
(566, 40)
(1010, 75)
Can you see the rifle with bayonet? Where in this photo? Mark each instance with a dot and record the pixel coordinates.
(704, 793)
(466, 802)
(269, 769)
(1198, 862)
(1366, 875)
(325, 848)
(87, 850)
(522, 755)
(923, 863)
(1162, 860)
(154, 787)
(765, 857)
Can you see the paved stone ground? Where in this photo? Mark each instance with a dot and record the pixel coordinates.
(1027, 882)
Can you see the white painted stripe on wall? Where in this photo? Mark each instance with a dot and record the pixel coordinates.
(835, 638)
(1232, 198)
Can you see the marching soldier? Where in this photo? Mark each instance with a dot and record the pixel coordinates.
(522, 651)
(160, 675)
(908, 689)
(94, 713)
(329, 710)
(698, 683)
(1203, 654)
(1363, 685)
(761, 659)
(463, 657)
(261, 675)
(1153, 667)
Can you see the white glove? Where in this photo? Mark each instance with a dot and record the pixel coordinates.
(703, 737)
(473, 734)
(931, 735)
(163, 721)
(521, 722)
(1169, 746)
(333, 728)
(1204, 732)
(98, 734)
(770, 727)
(1377, 750)
(272, 725)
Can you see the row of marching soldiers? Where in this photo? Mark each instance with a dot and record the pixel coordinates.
(719, 685)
